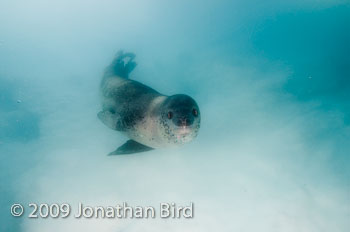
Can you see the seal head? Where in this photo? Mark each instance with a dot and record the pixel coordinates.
(180, 119)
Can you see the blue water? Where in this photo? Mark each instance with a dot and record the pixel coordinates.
(272, 80)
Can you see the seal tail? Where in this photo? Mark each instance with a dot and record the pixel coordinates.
(122, 65)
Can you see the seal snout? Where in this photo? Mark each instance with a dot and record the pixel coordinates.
(183, 122)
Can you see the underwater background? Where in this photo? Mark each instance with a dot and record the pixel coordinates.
(271, 78)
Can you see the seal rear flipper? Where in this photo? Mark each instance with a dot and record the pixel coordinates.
(130, 147)
(122, 65)
(112, 120)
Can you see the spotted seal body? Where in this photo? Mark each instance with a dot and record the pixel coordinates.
(150, 119)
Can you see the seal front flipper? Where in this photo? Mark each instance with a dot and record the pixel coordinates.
(112, 120)
(130, 147)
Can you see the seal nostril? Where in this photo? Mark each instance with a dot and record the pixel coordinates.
(179, 122)
(182, 122)
(190, 121)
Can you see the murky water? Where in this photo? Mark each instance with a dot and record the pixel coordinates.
(271, 80)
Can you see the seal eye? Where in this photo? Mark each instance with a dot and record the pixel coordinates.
(170, 115)
(195, 112)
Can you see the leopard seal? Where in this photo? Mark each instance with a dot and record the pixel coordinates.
(150, 119)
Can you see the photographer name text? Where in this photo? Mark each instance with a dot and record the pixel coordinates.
(119, 211)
